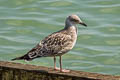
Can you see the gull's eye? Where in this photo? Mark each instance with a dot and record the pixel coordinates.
(74, 20)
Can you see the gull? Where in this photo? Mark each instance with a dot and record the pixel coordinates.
(57, 43)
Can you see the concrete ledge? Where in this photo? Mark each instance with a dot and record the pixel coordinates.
(17, 71)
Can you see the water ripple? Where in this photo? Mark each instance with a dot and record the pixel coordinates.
(24, 23)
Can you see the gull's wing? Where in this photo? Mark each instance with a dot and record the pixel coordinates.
(56, 44)
(53, 45)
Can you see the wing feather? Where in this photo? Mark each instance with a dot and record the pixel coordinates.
(56, 44)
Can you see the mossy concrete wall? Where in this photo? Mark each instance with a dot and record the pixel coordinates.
(17, 71)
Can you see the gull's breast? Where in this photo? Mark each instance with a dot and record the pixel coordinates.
(73, 36)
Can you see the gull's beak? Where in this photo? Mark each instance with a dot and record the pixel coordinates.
(83, 24)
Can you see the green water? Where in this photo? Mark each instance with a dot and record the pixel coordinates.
(23, 23)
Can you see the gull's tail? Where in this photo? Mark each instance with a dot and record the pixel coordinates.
(25, 57)
(33, 53)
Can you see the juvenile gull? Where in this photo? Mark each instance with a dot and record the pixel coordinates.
(56, 44)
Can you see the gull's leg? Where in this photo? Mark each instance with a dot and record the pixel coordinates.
(55, 68)
(60, 61)
(62, 70)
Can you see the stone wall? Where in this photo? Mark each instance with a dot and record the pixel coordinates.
(17, 71)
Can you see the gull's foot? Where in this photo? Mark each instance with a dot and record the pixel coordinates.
(64, 70)
(57, 68)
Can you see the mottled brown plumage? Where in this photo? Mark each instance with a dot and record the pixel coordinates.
(56, 44)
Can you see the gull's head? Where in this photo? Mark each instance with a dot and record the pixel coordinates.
(74, 19)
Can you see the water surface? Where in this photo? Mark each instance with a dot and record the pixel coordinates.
(23, 23)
